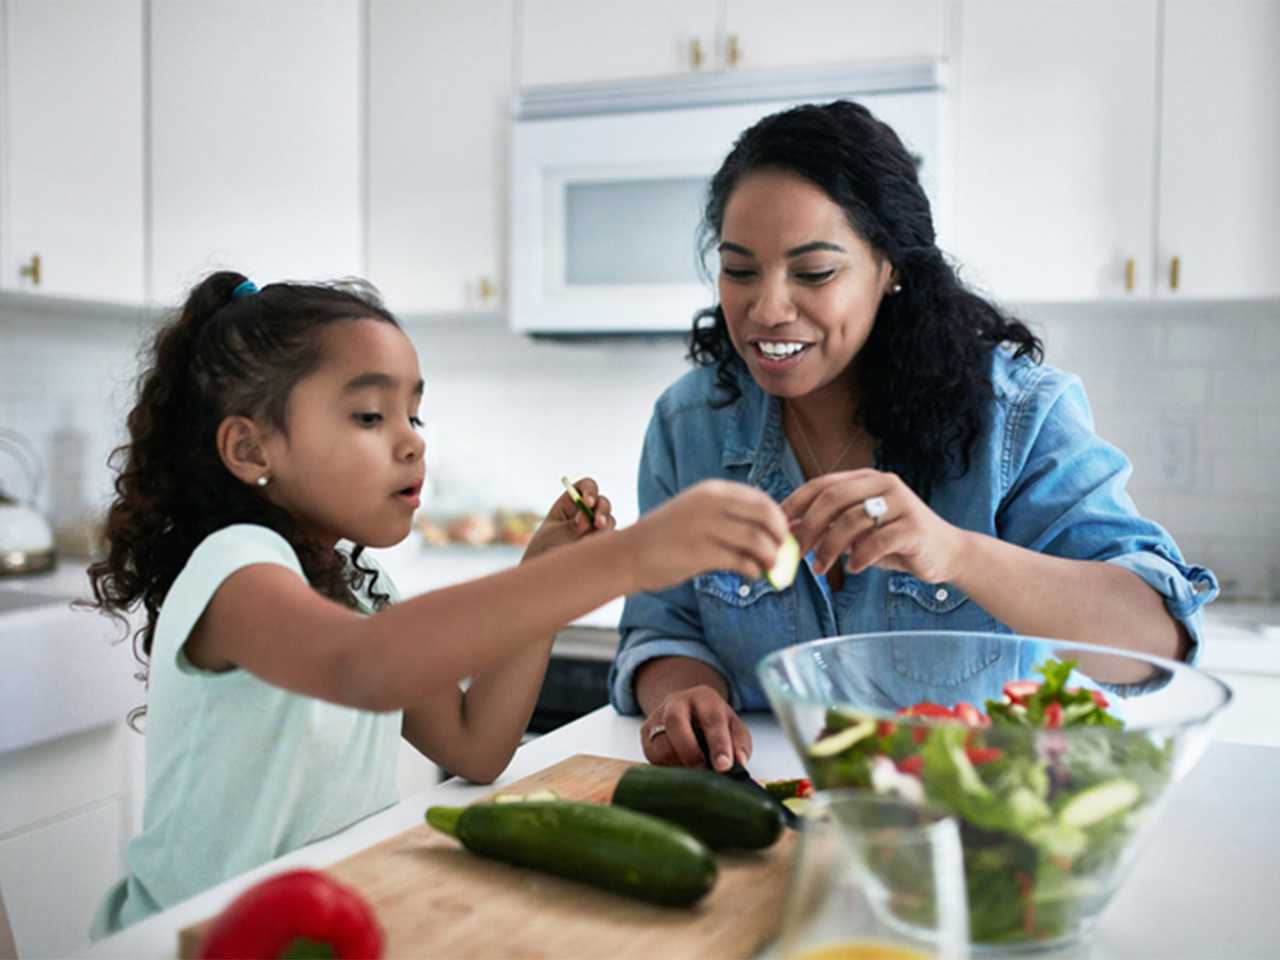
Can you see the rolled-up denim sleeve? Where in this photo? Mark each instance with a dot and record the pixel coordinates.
(1066, 497)
(663, 623)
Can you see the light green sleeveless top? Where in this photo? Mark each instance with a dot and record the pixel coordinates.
(238, 771)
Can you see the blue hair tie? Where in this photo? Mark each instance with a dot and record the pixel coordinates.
(243, 289)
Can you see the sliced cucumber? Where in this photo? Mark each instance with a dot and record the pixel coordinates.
(1097, 803)
(797, 805)
(783, 572)
(543, 795)
(842, 740)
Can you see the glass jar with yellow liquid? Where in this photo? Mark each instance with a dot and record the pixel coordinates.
(875, 878)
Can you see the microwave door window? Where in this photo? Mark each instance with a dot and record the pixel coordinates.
(632, 232)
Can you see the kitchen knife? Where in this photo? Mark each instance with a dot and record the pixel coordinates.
(739, 772)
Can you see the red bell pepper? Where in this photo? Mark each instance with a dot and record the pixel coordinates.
(301, 913)
(980, 755)
(971, 715)
(926, 709)
(1053, 716)
(913, 764)
(1019, 690)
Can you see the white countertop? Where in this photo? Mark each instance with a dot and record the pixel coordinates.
(1202, 887)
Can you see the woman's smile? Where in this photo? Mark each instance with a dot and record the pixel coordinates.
(779, 355)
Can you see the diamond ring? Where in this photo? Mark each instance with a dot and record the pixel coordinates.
(658, 728)
(875, 508)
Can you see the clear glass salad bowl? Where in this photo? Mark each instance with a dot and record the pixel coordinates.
(1054, 776)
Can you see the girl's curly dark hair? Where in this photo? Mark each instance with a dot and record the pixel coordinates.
(219, 356)
(924, 370)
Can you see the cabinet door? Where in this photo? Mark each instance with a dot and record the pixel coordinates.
(54, 876)
(579, 41)
(1220, 138)
(73, 150)
(256, 140)
(812, 32)
(439, 114)
(1054, 180)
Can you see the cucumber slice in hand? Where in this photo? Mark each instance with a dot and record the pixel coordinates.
(783, 572)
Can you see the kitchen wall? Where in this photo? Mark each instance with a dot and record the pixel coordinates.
(1188, 390)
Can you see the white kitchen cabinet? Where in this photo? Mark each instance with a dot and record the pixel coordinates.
(1220, 150)
(584, 41)
(72, 167)
(64, 822)
(579, 41)
(1055, 132)
(439, 114)
(256, 140)
(759, 34)
(1097, 142)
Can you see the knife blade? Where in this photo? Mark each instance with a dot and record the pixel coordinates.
(739, 773)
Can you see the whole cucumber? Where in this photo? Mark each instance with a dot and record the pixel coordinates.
(718, 811)
(609, 847)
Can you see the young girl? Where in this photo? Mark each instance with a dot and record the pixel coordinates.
(270, 426)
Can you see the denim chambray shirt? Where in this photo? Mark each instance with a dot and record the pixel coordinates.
(1039, 477)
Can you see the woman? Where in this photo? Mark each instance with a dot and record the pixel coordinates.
(937, 475)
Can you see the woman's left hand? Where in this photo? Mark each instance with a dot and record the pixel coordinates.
(830, 515)
(565, 523)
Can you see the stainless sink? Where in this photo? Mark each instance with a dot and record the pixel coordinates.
(11, 600)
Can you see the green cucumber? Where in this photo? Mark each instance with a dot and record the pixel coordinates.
(1099, 802)
(718, 811)
(609, 847)
(840, 741)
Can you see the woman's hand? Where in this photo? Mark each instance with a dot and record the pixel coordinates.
(714, 525)
(565, 523)
(668, 739)
(828, 516)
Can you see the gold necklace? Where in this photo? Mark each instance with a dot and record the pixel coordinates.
(814, 457)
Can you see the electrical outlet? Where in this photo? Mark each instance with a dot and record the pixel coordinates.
(1174, 455)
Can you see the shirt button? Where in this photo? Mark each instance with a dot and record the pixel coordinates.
(941, 594)
(744, 591)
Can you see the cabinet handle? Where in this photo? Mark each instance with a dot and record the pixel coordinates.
(734, 51)
(485, 289)
(1128, 275)
(32, 269)
(1175, 272)
(695, 53)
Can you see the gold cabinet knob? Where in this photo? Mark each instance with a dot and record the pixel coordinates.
(31, 269)
(733, 51)
(486, 289)
(695, 53)
(1129, 267)
(1175, 272)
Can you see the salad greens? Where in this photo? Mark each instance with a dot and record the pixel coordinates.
(1048, 787)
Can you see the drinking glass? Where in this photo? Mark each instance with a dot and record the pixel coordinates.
(875, 878)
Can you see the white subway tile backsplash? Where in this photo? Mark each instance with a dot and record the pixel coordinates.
(1255, 389)
(507, 415)
(1214, 343)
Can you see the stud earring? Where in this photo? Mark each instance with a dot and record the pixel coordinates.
(896, 288)
(263, 480)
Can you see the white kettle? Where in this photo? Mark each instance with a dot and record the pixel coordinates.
(26, 542)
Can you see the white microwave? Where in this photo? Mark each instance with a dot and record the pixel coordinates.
(608, 185)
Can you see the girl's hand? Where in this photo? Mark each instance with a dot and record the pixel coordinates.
(667, 736)
(714, 525)
(828, 516)
(565, 523)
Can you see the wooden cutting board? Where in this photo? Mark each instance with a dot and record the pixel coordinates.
(433, 898)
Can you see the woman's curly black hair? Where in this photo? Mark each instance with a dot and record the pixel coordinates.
(924, 372)
(219, 356)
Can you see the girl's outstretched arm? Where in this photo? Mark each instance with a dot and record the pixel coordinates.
(265, 619)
